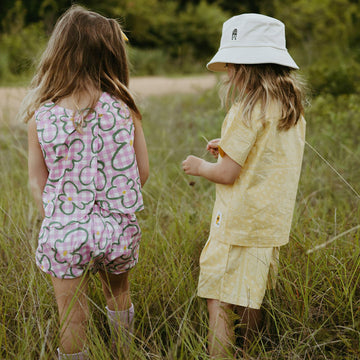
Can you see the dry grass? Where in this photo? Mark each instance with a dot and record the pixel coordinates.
(313, 313)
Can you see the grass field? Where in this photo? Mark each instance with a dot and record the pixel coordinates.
(314, 313)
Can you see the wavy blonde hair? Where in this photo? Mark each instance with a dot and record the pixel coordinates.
(85, 52)
(249, 84)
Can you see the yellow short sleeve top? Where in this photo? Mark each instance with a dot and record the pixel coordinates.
(257, 209)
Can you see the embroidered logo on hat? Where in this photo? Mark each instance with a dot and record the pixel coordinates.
(234, 34)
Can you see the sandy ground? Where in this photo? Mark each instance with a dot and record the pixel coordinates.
(145, 86)
(142, 87)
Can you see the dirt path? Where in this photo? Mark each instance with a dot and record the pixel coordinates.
(145, 86)
(10, 98)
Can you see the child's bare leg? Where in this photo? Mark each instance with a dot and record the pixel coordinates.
(250, 322)
(221, 328)
(72, 304)
(120, 310)
(116, 290)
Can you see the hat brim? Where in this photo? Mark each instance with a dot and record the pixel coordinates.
(250, 55)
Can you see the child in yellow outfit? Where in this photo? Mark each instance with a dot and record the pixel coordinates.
(256, 175)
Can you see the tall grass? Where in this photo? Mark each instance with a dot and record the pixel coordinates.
(313, 313)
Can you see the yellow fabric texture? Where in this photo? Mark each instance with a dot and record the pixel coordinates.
(257, 210)
(235, 274)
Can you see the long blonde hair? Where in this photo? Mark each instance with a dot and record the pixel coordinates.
(85, 51)
(249, 84)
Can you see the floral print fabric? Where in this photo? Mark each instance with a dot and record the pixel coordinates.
(100, 241)
(93, 189)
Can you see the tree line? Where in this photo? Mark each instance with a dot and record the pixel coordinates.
(323, 35)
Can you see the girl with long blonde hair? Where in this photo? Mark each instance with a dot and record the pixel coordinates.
(256, 175)
(87, 164)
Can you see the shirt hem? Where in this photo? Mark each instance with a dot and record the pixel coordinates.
(250, 241)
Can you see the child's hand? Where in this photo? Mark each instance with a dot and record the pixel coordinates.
(192, 165)
(213, 147)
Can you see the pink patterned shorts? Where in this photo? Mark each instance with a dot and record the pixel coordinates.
(101, 240)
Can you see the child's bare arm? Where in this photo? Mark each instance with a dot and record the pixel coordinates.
(141, 153)
(225, 171)
(38, 172)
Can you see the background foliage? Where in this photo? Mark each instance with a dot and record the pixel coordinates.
(180, 36)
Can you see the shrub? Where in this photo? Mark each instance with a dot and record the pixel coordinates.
(334, 78)
(20, 50)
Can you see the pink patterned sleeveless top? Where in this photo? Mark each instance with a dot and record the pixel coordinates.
(97, 165)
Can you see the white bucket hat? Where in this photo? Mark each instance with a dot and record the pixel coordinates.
(252, 39)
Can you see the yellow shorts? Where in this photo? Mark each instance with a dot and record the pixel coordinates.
(236, 274)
